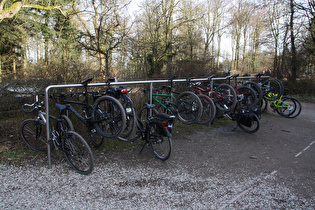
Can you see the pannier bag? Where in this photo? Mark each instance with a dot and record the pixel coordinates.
(246, 115)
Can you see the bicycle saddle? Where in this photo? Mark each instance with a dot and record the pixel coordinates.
(86, 81)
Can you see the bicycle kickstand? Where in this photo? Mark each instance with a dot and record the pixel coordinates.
(143, 147)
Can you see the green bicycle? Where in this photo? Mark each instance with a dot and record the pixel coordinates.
(187, 106)
(285, 106)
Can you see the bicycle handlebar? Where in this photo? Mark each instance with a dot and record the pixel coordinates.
(35, 105)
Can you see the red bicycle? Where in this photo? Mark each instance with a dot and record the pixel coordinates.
(223, 95)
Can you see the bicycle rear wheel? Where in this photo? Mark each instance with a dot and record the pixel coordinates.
(246, 96)
(256, 88)
(77, 152)
(209, 109)
(290, 107)
(225, 97)
(189, 107)
(109, 117)
(159, 141)
(33, 133)
(130, 119)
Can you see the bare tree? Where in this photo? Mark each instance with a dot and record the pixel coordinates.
(103, 29)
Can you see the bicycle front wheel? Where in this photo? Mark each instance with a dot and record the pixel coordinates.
(33, 133)
(159, 141)
(108, 116)
(77, 152)
(189, 107)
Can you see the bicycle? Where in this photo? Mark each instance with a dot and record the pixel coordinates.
(209, 108)
(223, 95)
(247, 117)
(62, 136)
(121, 94)
(286, 106)
(245, 94)
(272, 88)
(105, 117)
(187, 107)
(156, 130)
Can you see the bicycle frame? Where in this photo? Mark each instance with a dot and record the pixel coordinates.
(169, 95)
(279, 103)
(75, 112)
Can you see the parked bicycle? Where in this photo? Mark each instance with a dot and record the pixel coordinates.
(285, 106)
(209, 108)
(156, 131)
(247, 117)
(223, 95)
(62, 136)
(105, 117)
(246, 95)
(187, 106)
(121, 94)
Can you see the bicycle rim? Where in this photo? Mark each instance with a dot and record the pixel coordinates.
(189, 107)
(225, 97)
(78, 153)
(108, 116)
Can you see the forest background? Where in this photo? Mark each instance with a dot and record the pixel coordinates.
(66, 41)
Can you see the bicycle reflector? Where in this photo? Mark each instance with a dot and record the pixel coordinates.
(124, 91)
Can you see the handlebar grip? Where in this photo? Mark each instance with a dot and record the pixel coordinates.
(28, 111)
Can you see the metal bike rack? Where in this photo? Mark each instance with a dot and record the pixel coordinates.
(151, 82)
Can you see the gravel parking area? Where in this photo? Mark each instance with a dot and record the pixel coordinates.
(211, 168)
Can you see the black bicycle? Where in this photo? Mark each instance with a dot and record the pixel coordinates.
(105, 117)
(156, 130)
(121, 94)
(62, 136)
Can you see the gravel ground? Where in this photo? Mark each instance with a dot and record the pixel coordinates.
(213, 168)
(118, 186)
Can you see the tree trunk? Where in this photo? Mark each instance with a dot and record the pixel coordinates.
(293, 50)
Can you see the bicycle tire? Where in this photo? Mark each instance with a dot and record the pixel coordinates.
(209, 110)
(109, 117)
(77, 152)
(95, 137)
(65, 124)
(33, 133)
(246, 96)
(159, 141)
(130, 119)
(253, 128)
(272, 89)
(256, 88)
(225, 97)
(294, 109)
(189, 107)
(263, 104)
